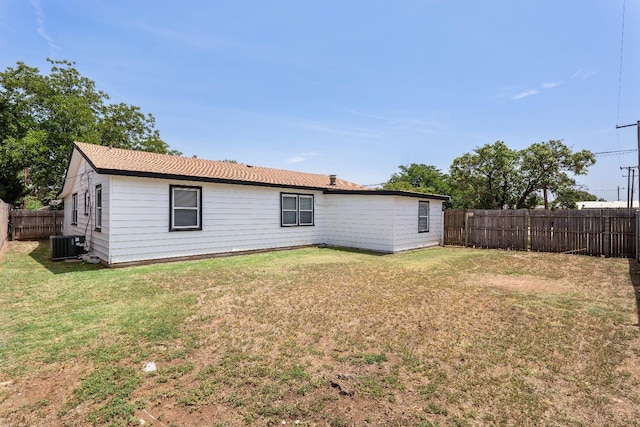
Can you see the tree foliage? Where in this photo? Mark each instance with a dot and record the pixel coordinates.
(495, 176)
(569, 198)
(42, 115)
(484, 179)
(545, 168)
(419, 178)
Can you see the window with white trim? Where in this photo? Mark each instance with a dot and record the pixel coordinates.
(186, 208)
(297, 209)
(423, 217)
(98, 207)
(74, 209)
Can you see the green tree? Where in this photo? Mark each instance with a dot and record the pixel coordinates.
(569, 198)
(42, 115)
(125, 126)
(494, 176)
(420, 178)
(545, 168)
(484, 178)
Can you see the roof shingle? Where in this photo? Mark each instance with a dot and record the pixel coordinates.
(118, 161)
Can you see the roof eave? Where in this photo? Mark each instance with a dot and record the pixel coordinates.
(74, 148)
(178, 177)
(389, 193)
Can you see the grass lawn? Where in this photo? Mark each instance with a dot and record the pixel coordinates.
(326, 337)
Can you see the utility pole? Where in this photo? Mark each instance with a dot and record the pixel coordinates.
(637, 125)
(629, 184)
(633, 180)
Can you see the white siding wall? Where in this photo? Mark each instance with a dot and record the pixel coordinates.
(380, 223)
(85, 180)
(235, 218)
(405, 224)
(135, 219)
(360, 221)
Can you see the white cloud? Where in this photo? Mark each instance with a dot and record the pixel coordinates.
(299, 158)
(190, 40)
(41, 28)
(355, 132)
(535, 91)
(550, 85)
(581, 73)
(526, 93)
(402, 120)
(195, 39)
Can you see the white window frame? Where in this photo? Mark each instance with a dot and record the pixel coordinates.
(420, 216)
(300, 210)
(99, 207)
(74, 209)
(283, 209)
(297, 210)
(173, 208)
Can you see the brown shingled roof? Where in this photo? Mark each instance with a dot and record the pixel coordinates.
(117, 161)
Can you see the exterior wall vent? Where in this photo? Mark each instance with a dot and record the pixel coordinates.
(66, 247)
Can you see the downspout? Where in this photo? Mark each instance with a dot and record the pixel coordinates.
(441, 223)
(109, 191)
(393, 224)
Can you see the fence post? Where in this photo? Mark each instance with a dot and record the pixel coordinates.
(637, 237)
(606, 238)
(466, 228)
(526, 231)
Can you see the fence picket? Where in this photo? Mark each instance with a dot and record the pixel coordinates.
(608, 232)
(27, 225)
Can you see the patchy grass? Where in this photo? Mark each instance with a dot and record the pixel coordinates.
(438, 337)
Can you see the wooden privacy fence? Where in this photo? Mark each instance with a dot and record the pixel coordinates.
(27, 225)
(608, 232)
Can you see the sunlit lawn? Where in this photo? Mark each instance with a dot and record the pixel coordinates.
(437, 337)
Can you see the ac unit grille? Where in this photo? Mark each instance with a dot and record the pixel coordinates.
(66, 247)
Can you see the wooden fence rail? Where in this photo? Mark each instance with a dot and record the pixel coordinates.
(608, 232)
(26, 225)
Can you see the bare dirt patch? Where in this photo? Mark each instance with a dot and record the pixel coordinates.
(523, 283)
(22, 247)
(439, 337)
(34, 399)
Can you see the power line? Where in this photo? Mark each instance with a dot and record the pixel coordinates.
(614, 152)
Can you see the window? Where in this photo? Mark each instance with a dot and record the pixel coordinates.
(86, 203)
(74, 209)
(186, 208)
(297, 209)
(423, 217)
(98, 207)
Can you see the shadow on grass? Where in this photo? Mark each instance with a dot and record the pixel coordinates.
(634, 273)
(354, 250)
(42, 255)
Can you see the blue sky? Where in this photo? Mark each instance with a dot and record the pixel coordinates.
(354, 88)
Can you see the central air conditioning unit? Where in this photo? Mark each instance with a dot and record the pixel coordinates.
(66, 247)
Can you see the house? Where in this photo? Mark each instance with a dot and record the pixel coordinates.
(619, 204)
(134, 206)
